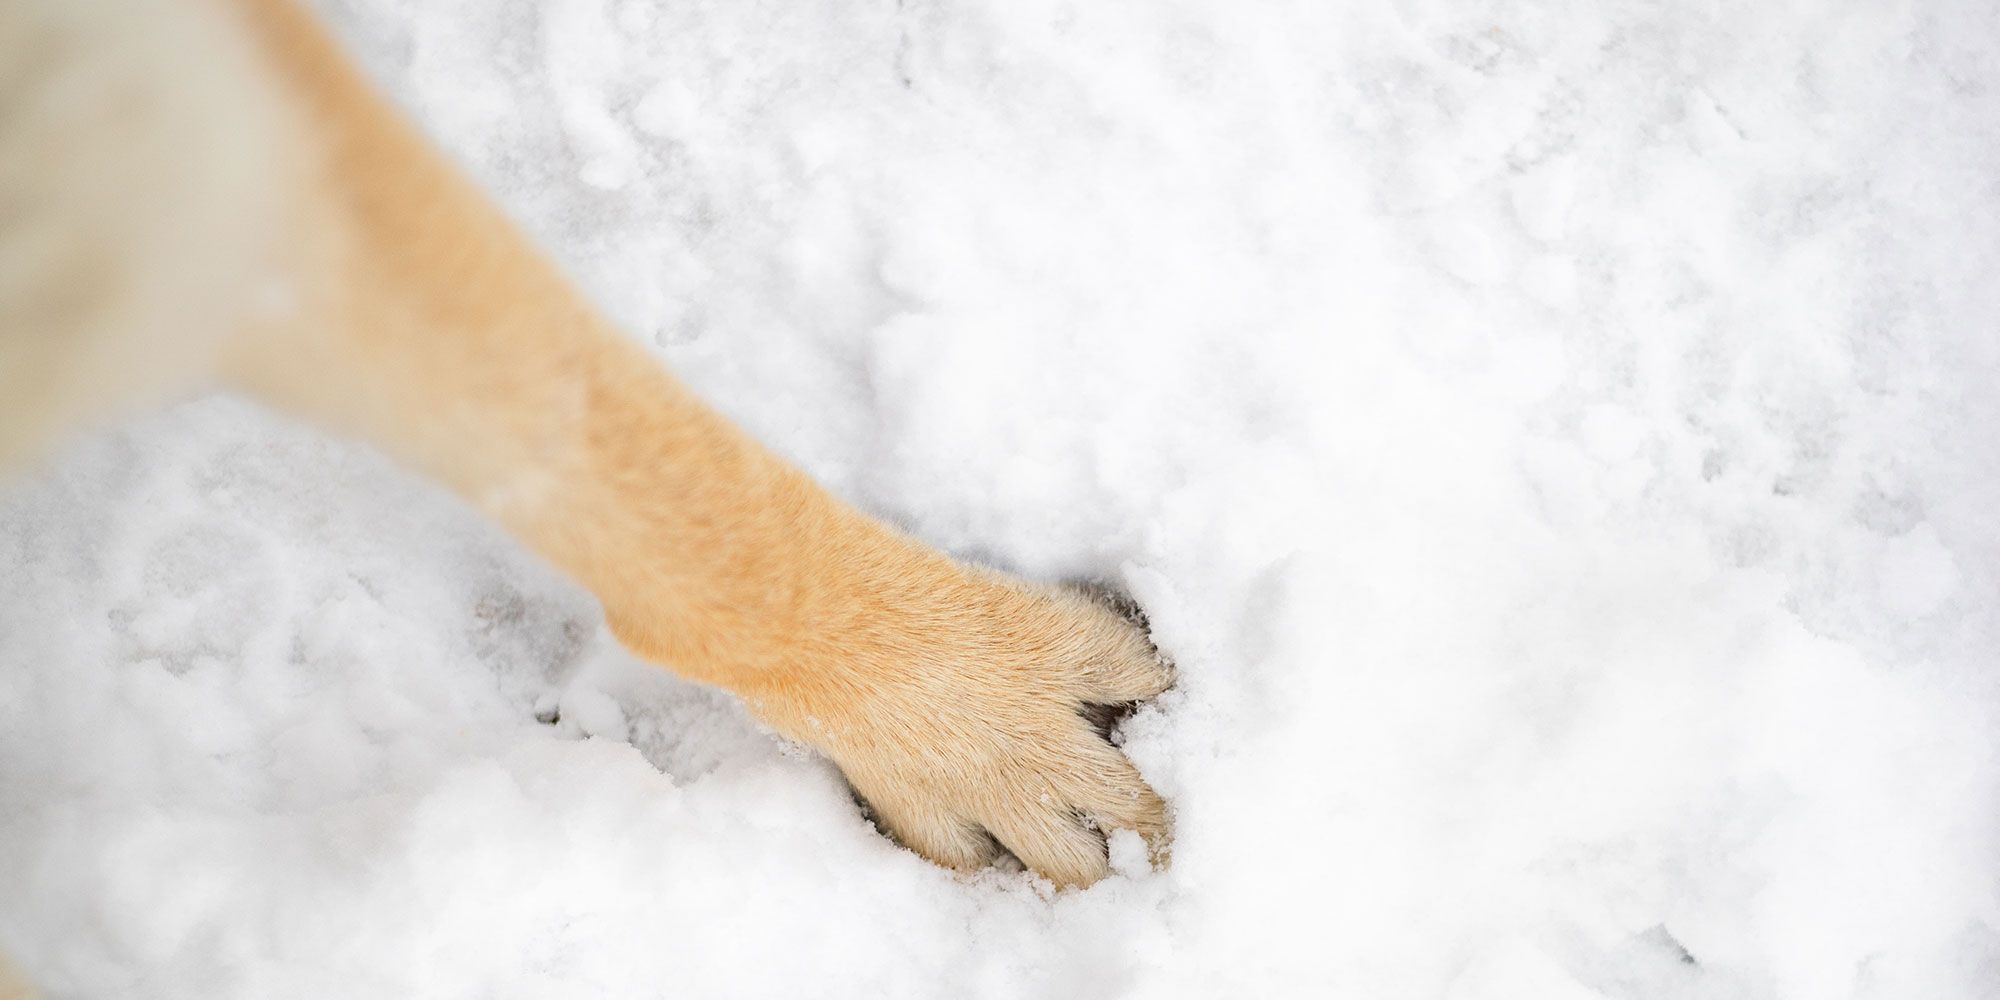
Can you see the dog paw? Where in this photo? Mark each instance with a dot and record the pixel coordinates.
(973, 717)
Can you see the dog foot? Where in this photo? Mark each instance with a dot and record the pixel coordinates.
(973, 716)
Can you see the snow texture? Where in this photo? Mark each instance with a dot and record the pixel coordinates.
(1555, 440)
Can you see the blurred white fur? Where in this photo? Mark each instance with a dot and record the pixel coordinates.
(139, 183)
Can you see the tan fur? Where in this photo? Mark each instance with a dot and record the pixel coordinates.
(349, 273)
(12, 986)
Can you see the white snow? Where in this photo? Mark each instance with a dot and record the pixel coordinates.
(1554, 439)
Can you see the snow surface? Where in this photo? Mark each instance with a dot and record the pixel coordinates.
(1555, 439)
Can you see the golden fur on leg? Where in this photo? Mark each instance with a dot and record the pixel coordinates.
(360, 280)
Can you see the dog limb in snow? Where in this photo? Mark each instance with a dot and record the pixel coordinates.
(211, 192)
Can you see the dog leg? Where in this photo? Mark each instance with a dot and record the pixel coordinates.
(416, 316)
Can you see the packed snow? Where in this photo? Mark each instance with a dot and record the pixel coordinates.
(1555, 441)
